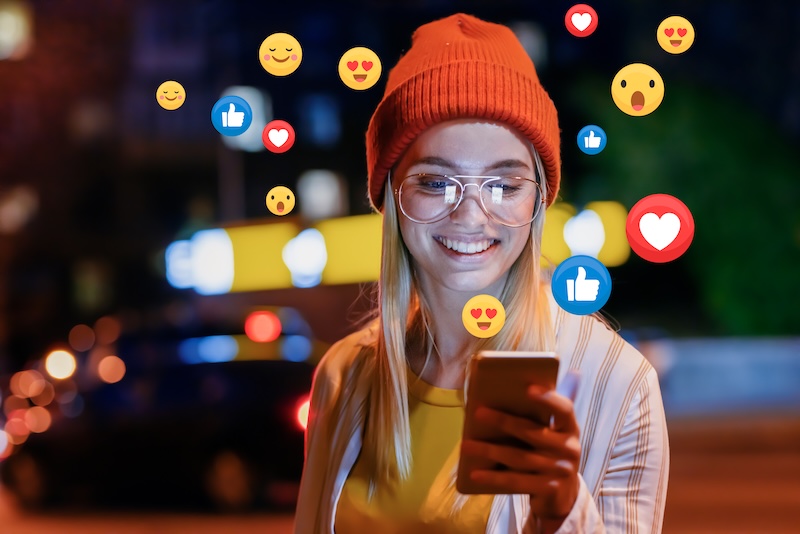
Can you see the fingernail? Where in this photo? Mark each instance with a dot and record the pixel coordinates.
(564, 464)
(536, 391)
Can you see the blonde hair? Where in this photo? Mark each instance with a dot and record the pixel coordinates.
(402, 311)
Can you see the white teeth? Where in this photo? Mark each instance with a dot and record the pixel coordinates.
(466, 248)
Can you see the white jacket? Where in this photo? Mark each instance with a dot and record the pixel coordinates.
(625, 451)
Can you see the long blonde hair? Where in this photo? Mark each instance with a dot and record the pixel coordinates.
(402, 311)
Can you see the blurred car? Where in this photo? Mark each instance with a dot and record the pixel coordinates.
(196, 422)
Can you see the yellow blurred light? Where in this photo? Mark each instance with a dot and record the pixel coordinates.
(354, 249)
(60, 364)
(38, 419)
(111, 369)
(616, 250)
(81, 337)
(108, 329)
(30, 383)
(302, 414)
(46, 396)
(554, 248)
(257, 260)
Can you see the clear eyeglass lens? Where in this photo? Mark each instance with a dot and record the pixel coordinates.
(428, 197)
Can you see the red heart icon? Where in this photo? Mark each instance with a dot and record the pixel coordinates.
(352, 65)
(669, 31)
(476, 312)
(490, 313)
(366, 64)
(681, 31)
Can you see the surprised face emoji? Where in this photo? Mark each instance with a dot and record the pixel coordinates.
(637, 89)
(280, 200)
(483, 316)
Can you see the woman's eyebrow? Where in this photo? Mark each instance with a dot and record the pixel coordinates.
(442, 162)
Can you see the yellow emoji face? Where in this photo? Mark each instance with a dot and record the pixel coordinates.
(637, 89)
(360, 68)
(170, 95)
(280, 54)
(675, 34)
(280, 200)
(483, 316)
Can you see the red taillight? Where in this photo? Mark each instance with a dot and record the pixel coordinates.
(262, 326)
(302, 413)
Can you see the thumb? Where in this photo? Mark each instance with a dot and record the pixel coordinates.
(581, 275)
(591, 134)
(232, 108)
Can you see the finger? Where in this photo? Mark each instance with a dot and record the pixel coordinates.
(517, 459)
(561, 407)
(510, 482)
(543, 439)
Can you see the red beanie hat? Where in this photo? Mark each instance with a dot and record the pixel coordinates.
(461, 67)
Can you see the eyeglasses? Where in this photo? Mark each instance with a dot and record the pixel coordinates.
(429, 198)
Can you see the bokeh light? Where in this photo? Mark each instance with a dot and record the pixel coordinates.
(262, 326)
(73, 407)
(46, 396)
(5, 444)
(296, 348)
(302, 413)
(29, 384)
(81, 337)
(13, 403)
(111, 369)
(38, 419)
(65, 391)
(107, 329)
(60, 364)
(17, 430)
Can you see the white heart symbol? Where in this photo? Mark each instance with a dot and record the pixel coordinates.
(278, 137)
(659, 231)
(581, 21)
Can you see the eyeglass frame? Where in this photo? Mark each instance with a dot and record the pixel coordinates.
(462, 190)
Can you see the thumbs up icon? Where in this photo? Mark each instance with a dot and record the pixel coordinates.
(582, 290)
(591, 141)
(231, 115)
(232, 118)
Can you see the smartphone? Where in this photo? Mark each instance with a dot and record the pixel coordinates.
(500, 380)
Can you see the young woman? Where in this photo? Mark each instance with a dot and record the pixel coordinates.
(464, 108)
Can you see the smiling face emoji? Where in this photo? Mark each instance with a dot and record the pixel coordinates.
(170, 95)
(637, 89)
(280, 54)
(280, 200)
(675, 34)
(360, 68)
(483, 316)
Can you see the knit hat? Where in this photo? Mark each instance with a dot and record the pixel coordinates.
(461, 67)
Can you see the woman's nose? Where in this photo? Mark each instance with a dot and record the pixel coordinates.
(470, 211)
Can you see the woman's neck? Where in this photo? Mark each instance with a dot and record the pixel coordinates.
(453, 345)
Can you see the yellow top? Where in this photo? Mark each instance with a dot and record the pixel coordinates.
(436, 416)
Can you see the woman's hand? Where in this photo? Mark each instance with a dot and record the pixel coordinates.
(547, 469)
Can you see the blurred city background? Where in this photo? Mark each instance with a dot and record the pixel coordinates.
(159, 327)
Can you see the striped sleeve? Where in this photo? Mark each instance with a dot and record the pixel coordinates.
(633, 491)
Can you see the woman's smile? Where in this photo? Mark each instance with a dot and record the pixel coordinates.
(468, 252)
